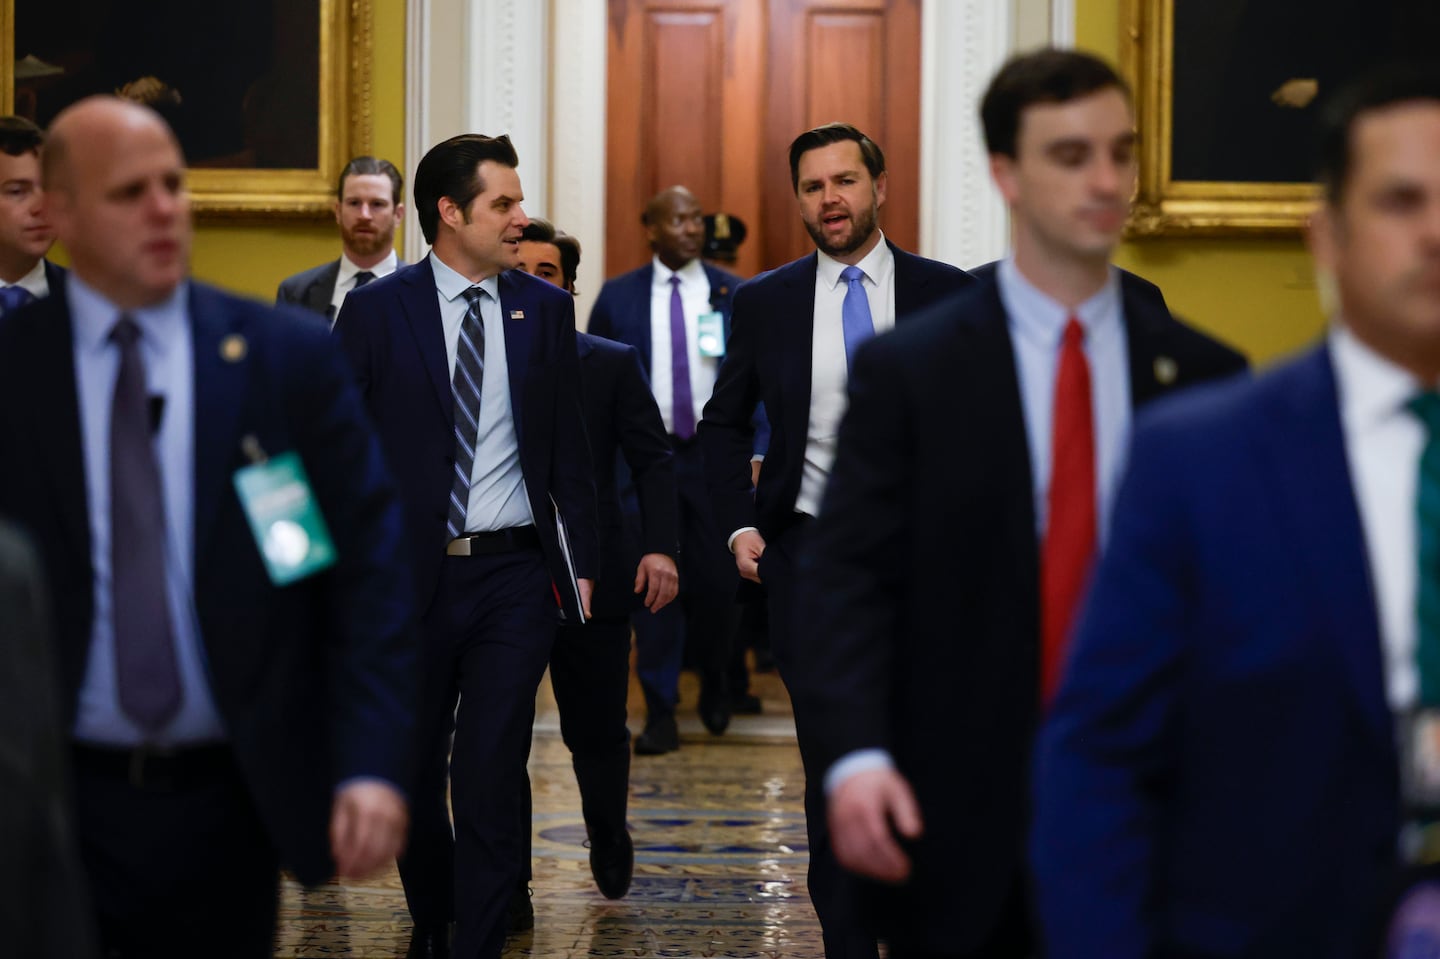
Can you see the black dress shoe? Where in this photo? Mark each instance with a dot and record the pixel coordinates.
(659, 736)
(745, 705)
(714, 707)
(612, 863)
(431, 942)
(520, 917)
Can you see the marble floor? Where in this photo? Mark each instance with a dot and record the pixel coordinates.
(720, 856)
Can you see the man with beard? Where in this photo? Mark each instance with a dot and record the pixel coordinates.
(368, 204)
(795, 329)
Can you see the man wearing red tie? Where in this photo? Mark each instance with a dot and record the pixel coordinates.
(969, 494)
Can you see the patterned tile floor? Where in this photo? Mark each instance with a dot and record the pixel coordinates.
(719, 866)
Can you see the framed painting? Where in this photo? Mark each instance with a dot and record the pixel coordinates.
(269, 100)
(1228, 94)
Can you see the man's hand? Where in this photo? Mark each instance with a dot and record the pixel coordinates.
(862, 811)
(367, 827)
(748, 546)
(755, 472)
(658, 578)
(587, 587)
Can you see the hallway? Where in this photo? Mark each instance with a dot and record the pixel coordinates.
(720, 856)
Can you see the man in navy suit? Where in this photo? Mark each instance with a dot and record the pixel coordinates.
(676, 311)
(794, 330)
(25, 234)
(936, 576)
(590, 665)
(221, 726)
(368, 205)
(1221, 774)
(470, 372)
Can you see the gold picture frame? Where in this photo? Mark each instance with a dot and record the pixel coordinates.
(1166, 206)
(343, 123)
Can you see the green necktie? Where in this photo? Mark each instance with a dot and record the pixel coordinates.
(1427, 585)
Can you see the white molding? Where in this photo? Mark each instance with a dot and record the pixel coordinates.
(506, 83)
(417, 118)
(963, 43)
(1062, 23)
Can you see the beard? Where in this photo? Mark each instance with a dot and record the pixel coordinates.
(862, 227)
(368, 244)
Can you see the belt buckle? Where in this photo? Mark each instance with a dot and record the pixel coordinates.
(459, 546)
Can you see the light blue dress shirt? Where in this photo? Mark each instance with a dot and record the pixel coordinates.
(498, 499)
(167, 346)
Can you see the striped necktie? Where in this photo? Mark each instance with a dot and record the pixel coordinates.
(465, 384)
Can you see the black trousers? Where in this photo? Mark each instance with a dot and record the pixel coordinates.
(484, 644)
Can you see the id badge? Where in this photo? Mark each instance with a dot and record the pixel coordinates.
(710, 334)
(284, 518)
(1420, 779)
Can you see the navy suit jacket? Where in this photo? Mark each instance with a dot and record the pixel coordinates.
(768, 361)
(313, 288)
(316, 681)
(1219, 776)
(391, 331)
(622, 420)
(920, 589)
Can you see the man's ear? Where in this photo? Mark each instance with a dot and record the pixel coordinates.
(1002, 171)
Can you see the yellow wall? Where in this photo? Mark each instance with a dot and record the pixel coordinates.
(1258, 295)
(254, 256)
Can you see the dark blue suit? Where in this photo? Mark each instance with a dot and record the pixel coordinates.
(921, 597)
(316, 682)
(769, 361)
(699, 621)
(488, 621)
(1219, 774)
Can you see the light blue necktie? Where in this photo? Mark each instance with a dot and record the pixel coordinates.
(465, 385)
(855, 312)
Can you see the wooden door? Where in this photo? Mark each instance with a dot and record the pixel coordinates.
(709, 94)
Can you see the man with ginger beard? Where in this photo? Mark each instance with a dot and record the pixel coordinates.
(368, 205)
(221, 726)
(793, 332)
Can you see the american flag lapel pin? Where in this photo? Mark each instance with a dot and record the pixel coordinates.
(517, 314)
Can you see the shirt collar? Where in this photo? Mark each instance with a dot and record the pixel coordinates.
(453, 285)
(1035, 315)
(94, 317)
(877, 265)
(1371, 388)
(348, 268)
(36, 282)
(691, 273)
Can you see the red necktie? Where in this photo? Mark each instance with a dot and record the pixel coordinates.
(1070, 531)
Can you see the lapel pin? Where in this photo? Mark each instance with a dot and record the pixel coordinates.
(517, 314)
(724, 290)
(1165, 370)
(233, 348)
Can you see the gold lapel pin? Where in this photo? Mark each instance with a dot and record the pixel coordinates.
(1165, 370)
(517, 314)
(233, 348)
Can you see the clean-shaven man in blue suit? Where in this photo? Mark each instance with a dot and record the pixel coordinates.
(470, 372)
(789, 350)
(25, 234)
(222, 725)
(679, 295)
(1221, 774)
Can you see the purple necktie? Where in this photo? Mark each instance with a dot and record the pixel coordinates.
(683, 414)
(148, 678)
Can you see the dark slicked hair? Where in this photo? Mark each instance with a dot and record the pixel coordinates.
(1387, 86)
(541, 230)
(452, 169)
(19, 136)
(371, 166)
(823, 136)
(1042, 76)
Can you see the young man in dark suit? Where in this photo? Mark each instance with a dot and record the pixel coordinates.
(25, 234)
(368, 205)
(676, 311)
(973, 476)
(222, 725)
(470, 372)
(795, 328)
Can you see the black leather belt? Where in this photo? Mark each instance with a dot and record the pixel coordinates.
(154, 767)
(490, 541)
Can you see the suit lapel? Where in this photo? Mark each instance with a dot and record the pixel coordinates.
(1153, 370)
(994, 360)
(794, 323)
(639, 314)
(322, 291)
(220, 389)
(518, 316)
(421, 306)
(909, 282)
(50, 367)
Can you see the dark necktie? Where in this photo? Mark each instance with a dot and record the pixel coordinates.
(855, 312)
(363, 277)
(683, 414)
(1070, 529)
(465, 384)
(1427, 584)
(14, 297)
(148, 678)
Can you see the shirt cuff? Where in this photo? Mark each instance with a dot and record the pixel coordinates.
(730, 543)
(858, 761)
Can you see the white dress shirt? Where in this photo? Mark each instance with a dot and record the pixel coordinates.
(345, 279)
(695, 299)
(1383, 443)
